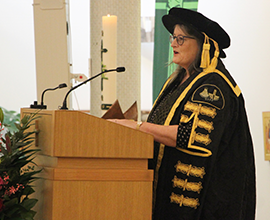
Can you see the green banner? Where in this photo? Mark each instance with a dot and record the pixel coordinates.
(162, 50)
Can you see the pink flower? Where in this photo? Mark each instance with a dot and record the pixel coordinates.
(10, 190)
(4, 181)
(13, 190)
(19, 186)
(6, 178)
(1, 205)
(1, 181)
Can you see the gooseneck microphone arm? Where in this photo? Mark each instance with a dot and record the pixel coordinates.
(42, 106)
(63, 85)
(64, 106)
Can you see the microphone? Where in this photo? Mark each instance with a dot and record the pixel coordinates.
(42, 106)
(118, 69)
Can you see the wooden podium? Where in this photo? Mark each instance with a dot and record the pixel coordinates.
(93, 169)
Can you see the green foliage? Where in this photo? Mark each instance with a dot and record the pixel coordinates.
(10, 120)
(17, 169)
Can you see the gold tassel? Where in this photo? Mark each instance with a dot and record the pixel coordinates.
(205, 57)
(214, 61)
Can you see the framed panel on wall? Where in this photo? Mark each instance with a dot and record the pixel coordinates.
(266, 135)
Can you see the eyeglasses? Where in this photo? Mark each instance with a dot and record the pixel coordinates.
(180, 39)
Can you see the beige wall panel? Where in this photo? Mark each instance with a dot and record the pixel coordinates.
(52, 67)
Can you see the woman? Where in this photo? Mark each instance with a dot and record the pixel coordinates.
(203, 157)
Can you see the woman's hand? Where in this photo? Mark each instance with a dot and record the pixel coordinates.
(163, 134)
(125, 122)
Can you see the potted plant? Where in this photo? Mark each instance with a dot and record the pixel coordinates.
(17, 169)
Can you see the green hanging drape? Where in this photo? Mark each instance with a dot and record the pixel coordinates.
(162, 50)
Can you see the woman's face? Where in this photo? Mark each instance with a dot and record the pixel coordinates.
(184, 54)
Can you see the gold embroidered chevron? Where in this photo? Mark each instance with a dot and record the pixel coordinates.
(204, 110)
(188, 169)
(184, 201)
(185, 185)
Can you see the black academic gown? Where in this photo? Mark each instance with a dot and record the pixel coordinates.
(212, 175)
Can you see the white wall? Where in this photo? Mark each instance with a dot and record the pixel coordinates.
(147, 10)
(246, 21)
(17, 59)
(17, 53)
(80, 47)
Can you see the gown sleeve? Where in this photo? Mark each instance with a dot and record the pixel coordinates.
(206, 114)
